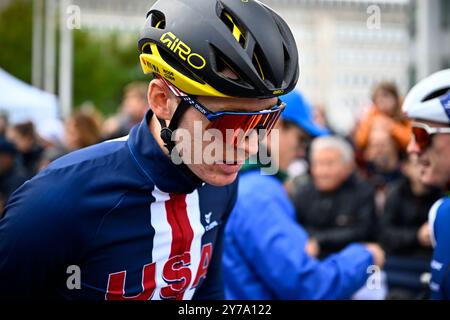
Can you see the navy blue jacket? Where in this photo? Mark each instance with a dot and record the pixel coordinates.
(136, 225)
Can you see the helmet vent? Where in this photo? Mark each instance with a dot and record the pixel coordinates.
(157, 19)
(287, 60)
(147, 48)
(234, 26)
(258, 62)
(224, 66)
(436, 94)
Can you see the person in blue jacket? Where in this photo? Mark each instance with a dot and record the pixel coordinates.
(265, 254)
(125, 219)
(428, 104)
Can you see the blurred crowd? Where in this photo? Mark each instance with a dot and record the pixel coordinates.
(358, 188)
(26, 148)
(365, 188)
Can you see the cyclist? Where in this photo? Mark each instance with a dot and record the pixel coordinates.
(428, 104)
(122, 219)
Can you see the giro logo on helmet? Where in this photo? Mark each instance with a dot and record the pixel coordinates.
(184, 51)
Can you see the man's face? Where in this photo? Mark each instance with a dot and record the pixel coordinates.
(385, 101)
(6, 162)
(382, 151)
(71, 135)
(134, 106)
(434, 161)
(328, 169)
(233, 156)
(23, 143)
(292, 145)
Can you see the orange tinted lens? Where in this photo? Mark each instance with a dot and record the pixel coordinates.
(422, 138)
(241, 125)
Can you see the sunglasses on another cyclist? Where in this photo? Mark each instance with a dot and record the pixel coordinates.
(423, 134)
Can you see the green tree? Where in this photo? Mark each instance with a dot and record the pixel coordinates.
(104, 62)
(103, 65)
(15, 39)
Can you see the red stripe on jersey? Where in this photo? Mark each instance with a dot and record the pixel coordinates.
(116, 285)
(176, 271)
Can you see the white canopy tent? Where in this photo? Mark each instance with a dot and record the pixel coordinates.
(23, 102)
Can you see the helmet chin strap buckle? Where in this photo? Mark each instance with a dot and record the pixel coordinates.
(166, 135)
(167, 131)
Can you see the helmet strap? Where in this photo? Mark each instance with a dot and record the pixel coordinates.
(167, 131)
(166, 135)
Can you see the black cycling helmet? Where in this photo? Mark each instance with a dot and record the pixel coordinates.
(190, 43)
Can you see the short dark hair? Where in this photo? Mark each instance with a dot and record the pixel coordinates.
(25, 129)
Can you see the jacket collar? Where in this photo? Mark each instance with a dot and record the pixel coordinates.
(156, 166)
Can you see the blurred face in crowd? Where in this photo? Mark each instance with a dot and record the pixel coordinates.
(382, 151)
(71, 135)
(164, 103)
(134, 105)
(3, 125)
(328, 168)
(23, 143)
(411, 169)
(292, 143)
(81, 131)
(6, 162)
(433, 162)
(385, 101)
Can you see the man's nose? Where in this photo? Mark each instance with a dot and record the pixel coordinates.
(413, 147)
(251, 143)
(300, 153)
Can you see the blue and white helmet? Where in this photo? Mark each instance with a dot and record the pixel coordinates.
(429, 99)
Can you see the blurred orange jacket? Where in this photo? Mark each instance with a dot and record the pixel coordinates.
(400, 129)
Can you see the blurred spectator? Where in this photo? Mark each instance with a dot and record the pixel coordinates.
(309, 128)
(24, 136)
(386, 115)
(267, 255)
(320, 116)
(89, 109)
(381, 165)
(50, 155)
(404, 232)
(12, 174)
(81, 130)
(132, 111)
(336, 206)
(4, 123)
(404, 223)
(51, 133)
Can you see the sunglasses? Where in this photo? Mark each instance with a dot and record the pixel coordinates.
(423, 134)
(239, 124)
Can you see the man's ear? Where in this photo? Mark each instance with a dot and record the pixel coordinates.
(161, 100)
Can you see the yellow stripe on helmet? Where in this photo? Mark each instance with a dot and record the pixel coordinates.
(259, 65)
(154, 63)
(237, 33)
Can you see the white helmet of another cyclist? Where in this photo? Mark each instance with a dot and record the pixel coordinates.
(429, 99)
